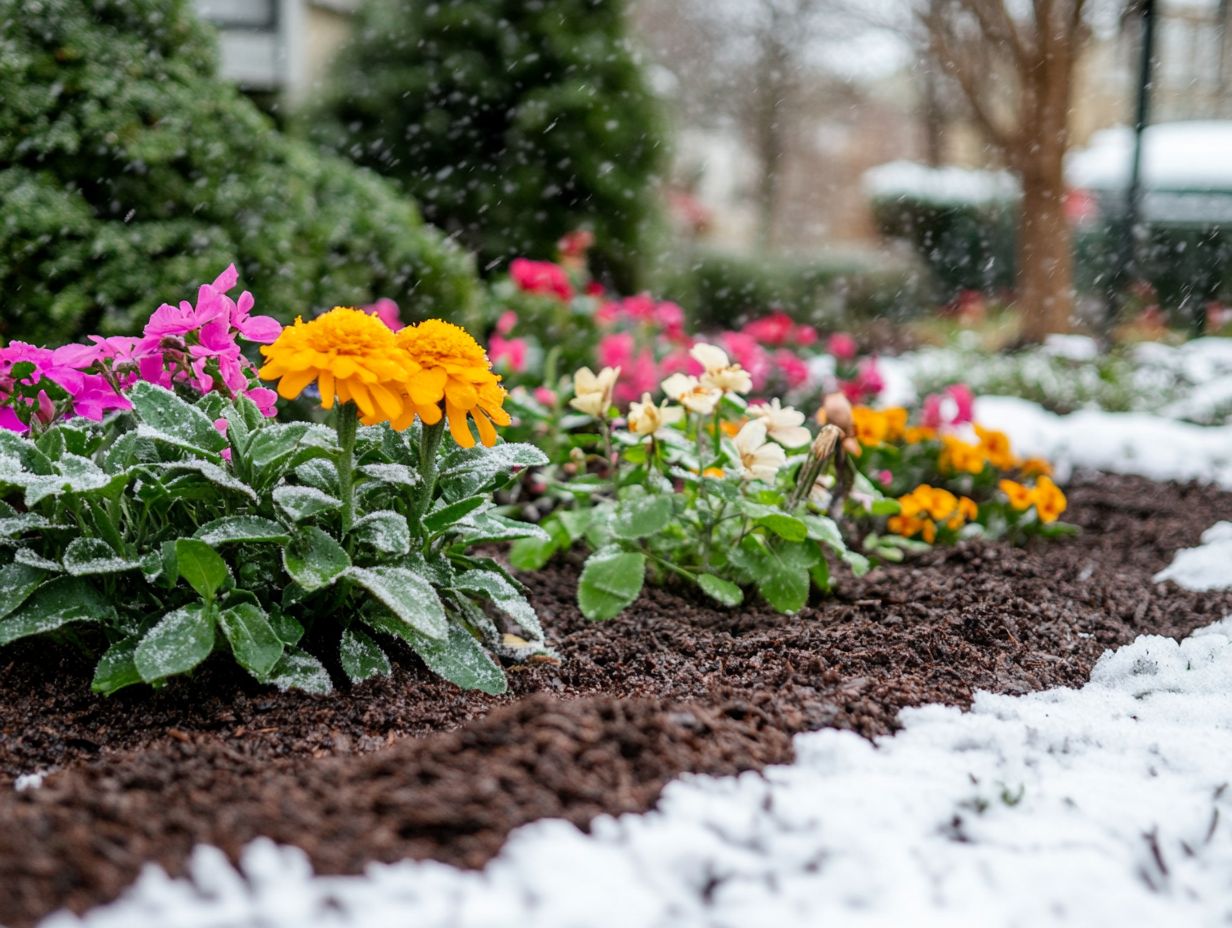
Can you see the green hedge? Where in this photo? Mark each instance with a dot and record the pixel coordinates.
(130, 172)
(511, 122)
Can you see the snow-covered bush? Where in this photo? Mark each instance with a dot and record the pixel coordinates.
(128, 167)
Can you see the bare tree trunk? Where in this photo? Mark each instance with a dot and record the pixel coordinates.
(1045, 255)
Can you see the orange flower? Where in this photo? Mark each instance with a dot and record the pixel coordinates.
(1019, 496)
(918, 434)
(1035, 467)
(996, 448)
(1048, 499)
(961, 456)
(895, 422)
(454, 367)
(871, 427)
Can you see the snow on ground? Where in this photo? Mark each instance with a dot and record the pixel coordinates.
(1206, 567)
(1121, 443)
(1100, 806)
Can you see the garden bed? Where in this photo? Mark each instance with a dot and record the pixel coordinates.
(409, 766)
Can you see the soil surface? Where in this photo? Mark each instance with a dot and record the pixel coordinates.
(409, 766)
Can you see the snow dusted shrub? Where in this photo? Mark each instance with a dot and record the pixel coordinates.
(128, 167)
(177, 518)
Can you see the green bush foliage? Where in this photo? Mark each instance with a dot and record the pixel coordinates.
(129, 170)
(511, 123)
(157, 540)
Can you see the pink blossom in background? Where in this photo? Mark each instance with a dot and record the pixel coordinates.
(842, 346)
(680, 362)
(795, 370)
(867, 383)
(387, 311)
(505, 322)
(640, 375)
(745, 350)
(508, 351)
(885, 478)
(594, 288)
(670, 318)
(616, 349)
(774, 329)
(955, 405)
(545, 277)
(640, 307)
(545, 396)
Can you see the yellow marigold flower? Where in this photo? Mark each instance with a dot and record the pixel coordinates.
(960, 456)
(453, 366)
(996, 447)
(870, 425)
(941, 503)
(895, 422)
(968, 509)
(929, 532)
(1019, 496)
(351, 356)
(1035, 467)
(1048, 499)
(716, 472)
(918, 434)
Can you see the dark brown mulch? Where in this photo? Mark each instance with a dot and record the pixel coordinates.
(410, 767)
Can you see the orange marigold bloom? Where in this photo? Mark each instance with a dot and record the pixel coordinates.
(1049, 501)
(1019, 496)
(996, 447)
(453, 366)
(1035, 467)
(960, 456)
(352, 356)
(917, 434)
(871, 426)
(968, 509)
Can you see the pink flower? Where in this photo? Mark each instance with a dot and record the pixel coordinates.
(867, 383)
(885, 478)
(544, 277)
(594, 288)
(640, 308)
(670, 318)
(387, 311)
(746, 351)
(545, 396)
(616, 349)
(774, 329)
(510, 351)
(607, 314)
(795, 371)
(842, 346)
(955, 405)
(506, 321)
(263, 330)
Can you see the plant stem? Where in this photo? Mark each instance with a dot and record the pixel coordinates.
(346, 424)
(429, 445)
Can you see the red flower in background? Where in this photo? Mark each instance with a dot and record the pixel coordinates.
(543, 277)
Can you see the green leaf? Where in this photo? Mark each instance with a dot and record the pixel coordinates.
(314, 559)
(211, 472)
(642, 516)
(180, 641)
(784, 576)
(31, 558)
(394, 474)
(117, 668)
(858, 563)
(885, 507)
(298, 503)
(286, 627)
(14, 525)
(86, 556)
(253, 641)
(534, 553)
(164, 417)
(471, 471)
(720, 590)
(385, 531)
(17, 582)
(323, 475)
(610, 581)
(504, 595)
(60, 602)
(241, 529)
(201, 566)
(459, 658)
(820, 572)
(299, 670)
(407, 595)
(824, 530)
(575, 522)
(789, 528)
(440, 519)
(488, 527)
(361, 657)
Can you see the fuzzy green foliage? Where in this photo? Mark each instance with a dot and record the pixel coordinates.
(511, 122)
(128, 170)
(157, 541)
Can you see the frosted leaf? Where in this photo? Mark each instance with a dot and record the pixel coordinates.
(32, 558)
(303, 502)
(64, 600)
(299, 670)
(162, 416)
(384, 530)
(481, 527)
(17, 582)
(323, 475)
(180, 641)
(213, 473)
(504, 595)
(77, 475)
(361, 657)
(12, 526)
(392, 473)
(471, 470)
(241, 529)
(407, 595)
(86, 556)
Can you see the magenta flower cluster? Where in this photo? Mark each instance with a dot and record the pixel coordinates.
(194, 348)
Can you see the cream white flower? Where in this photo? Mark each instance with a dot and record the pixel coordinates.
(645, 418)
(592, 393)
(692, 394)
(720, 373)
(783, 424)
(759, 459)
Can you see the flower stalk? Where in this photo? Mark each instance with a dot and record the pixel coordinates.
(346, 425)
